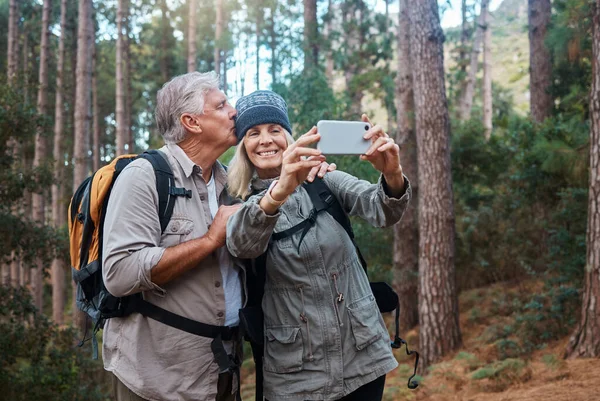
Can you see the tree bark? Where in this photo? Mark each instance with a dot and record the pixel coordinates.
(96, 162)
(329, 66)
(487, 75)
(466, 101)
(12, 54)
(540, 62)
(273, 44)
(192, 51)
(38, 204)
(585, 341)
(128, 81)
(58, 267)
(218, 34)
(258, 29)
(311, 35)
(82, 108)
(406, 233)
(164, 63)
(121, 129)
(438, 301)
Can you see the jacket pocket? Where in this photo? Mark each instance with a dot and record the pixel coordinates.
(364, 320)
(283, 349)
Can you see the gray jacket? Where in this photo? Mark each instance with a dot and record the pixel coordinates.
(316, 347)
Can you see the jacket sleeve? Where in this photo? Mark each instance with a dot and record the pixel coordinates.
(249, 229)
(368, 201)
(132, 233)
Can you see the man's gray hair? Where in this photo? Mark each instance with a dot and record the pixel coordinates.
(182, 94)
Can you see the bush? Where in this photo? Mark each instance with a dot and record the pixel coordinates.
(39, 360)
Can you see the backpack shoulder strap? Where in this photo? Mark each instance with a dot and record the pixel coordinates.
(322, 197)
(165, 185)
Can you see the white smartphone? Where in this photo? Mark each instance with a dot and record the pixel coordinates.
(343, 137)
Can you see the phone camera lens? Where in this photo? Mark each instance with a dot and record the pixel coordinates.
(366, 127)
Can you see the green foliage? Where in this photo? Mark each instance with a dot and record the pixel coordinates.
(39, 360)
(309, 99)
(18, 119)
(507, 371)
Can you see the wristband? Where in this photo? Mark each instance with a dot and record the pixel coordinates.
(270, 199)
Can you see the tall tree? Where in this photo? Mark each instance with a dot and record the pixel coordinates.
(85, 36)
(328, 29)
(585, 341)
(406, 233)
(58, 215)
(540, 62)
(95, 112)
(311, 35)
(12, 53)
(466, 100)
(487, 75)
(120, 83)
(192, 50)
(38, 204)
(438, 301)
(164, 43)
(218, 34)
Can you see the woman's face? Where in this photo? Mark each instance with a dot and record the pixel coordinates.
(265, 145)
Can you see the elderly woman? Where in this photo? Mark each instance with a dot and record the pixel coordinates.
(325, 338)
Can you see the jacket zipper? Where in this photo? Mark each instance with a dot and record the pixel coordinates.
(304, 319)
(339, 299)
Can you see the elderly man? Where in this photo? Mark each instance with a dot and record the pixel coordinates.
(184, 269)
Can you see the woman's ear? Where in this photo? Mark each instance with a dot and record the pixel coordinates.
(190, 123)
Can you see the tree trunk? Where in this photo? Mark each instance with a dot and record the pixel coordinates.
(328, 29)
(12, 54)
(273, 36)
(218, 34)
(121, 130)
(540, 62)
(352, 46)
(487, 75)
(38, 204)
(466, 101)
(311, 35)
(406, 232)
(82, 108)
(224, 61)
(438, 301)
(96, 162)
(128, 80)
(164, 46)
(58, 267)
(258, 27)
(191, 61)
(585, 341)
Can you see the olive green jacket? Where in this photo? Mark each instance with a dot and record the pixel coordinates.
(324, 335)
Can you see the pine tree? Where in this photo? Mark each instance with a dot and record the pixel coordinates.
(438, 301)
(585, 341)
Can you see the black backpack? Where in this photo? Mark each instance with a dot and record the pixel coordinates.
(86, 222)
(251, 317)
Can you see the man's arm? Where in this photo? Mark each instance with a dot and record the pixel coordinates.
(133, 259)
(178, 259)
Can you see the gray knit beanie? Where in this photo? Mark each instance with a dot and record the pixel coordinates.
(260, 107)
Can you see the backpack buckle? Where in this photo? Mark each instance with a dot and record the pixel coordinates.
(180, 192)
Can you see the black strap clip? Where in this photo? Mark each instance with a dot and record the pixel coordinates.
(180, 192)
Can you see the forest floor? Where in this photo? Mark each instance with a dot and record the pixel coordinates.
(475, 373)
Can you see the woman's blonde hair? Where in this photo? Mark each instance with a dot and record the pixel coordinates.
(241, 170)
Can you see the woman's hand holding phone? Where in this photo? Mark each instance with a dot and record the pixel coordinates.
(384, 155)
(298, 161)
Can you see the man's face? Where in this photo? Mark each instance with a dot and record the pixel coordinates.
(217, 122)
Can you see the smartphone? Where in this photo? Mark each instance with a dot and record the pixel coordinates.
(343, 137)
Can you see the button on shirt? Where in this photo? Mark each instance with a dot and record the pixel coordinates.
(155, 361)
